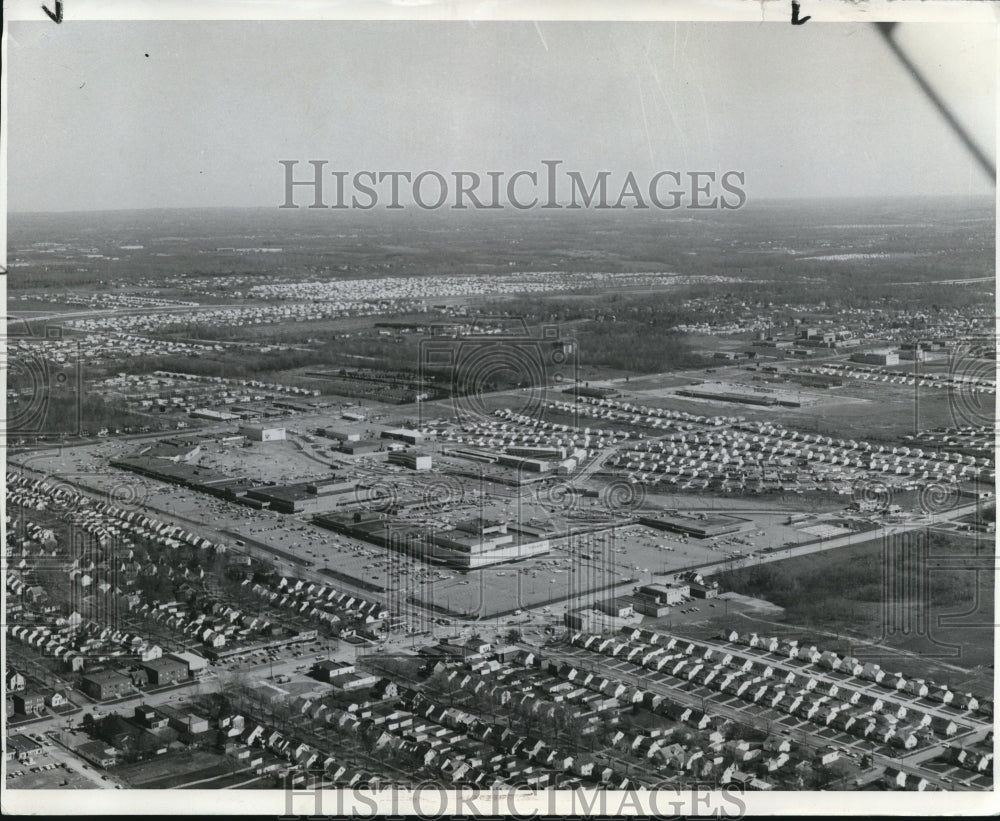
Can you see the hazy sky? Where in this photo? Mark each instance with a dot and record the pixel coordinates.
(164, 114)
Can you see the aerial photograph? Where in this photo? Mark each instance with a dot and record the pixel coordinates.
(559, 406)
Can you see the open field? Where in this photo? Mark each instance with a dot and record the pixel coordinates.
(850, 594)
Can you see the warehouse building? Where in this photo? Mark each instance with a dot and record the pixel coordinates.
(524, 463)
(882, 356)
(306, 497)
(213, 415)
(411, 459)
(702, 527)
(355, 448)
(410, 437)
(261, 433)
(469, 545)
(340, 435)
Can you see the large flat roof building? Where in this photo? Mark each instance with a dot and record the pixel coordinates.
(411, 437)
(468, 545)
(262, 433)
(306, 497)
(701, 527)
(411, 459)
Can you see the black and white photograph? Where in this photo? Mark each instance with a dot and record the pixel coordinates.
(419, 408)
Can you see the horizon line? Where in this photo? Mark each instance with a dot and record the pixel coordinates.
(509, 209)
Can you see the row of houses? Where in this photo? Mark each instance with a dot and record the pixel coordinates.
(321, 602)
(449, 743)
(526, 683)
(414, 292)
(733, 442)
(977, 383)
(721, 756)
(740, 454)
(104, 520)
(137, 325)
(867, 671)
(794, 692)
(75, 644)
(110, 347)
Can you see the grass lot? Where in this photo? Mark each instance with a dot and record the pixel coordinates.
(175, 769)
(848, 598)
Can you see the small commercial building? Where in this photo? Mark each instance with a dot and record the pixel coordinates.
(97, 753)
(656, 599)
(196, 664)
(343, 675)
(592, 620)
(709, 590)
(618, 607)
(105, 684)
(165, 670)
(28, 703)
(22, 748)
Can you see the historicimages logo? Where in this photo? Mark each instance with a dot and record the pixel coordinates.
(548, 188)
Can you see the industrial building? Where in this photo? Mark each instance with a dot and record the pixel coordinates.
(763, 399)
(701, 527)
(181, 473)
(411, 459)
(306, 497)
(469, 545)
(882, 356)
(213, 415)
(410, 437)
(524, 463)
(657, 599)
(359, 446)
(340, 435)
(260, 433)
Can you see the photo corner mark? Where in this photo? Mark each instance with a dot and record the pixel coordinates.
(57, 15)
